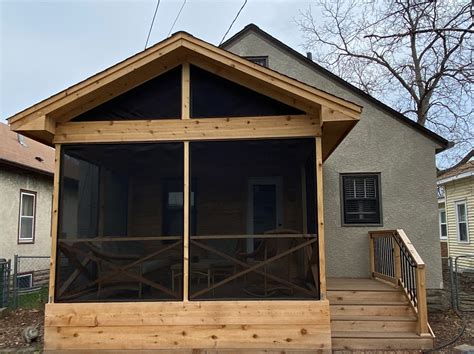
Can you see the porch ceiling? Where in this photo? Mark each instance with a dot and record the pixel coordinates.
(336, 116)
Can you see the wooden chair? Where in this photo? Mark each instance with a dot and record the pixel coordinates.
(268, 248)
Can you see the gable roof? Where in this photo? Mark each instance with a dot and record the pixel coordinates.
(463, 169)
(28, 154)
(40, 120)
(444, 144)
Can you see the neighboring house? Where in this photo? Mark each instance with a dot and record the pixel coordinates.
(197, 192)
(457, 207)
(443, 223)
(26, 189)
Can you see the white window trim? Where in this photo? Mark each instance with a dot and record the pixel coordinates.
(33, 217)
(441, 237)
(30, 275)
(457, 221)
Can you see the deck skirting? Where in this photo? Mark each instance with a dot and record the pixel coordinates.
(278, 325)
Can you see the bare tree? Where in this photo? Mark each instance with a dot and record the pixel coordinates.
(416, 56)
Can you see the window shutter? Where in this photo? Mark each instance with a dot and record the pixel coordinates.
(361, 199)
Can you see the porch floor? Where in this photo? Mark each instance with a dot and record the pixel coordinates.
(368, 314)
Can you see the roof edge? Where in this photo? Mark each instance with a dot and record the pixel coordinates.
(442, 142)
(26, 167)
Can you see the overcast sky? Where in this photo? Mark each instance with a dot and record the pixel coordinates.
(47, 46)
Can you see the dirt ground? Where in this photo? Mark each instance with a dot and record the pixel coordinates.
(12, 324)
(446, 325)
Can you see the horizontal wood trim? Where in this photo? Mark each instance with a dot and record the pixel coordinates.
(188, 130)
(183, 325)
(170, 337)
(186, 313)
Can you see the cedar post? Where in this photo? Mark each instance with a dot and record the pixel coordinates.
(54, 222)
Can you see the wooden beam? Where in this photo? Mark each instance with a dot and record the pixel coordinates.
(133, 64)
(189, 130)
(185, 92)
(320, 217)
(186, 192)
(54, 222)
(331, 115)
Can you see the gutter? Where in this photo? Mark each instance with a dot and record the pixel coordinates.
(455, 178)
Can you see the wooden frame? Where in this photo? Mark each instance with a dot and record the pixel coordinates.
(54, 222)
(270, 325)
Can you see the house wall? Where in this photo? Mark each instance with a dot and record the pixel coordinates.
(378, 143)
(459, 190)
(12, 180)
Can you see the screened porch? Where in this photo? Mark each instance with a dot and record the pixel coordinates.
(252, 227)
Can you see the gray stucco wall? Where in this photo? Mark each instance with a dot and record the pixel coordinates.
(11, 181)
(379, 143)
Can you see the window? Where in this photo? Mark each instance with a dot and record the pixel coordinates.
(361, 199)
(260, 60)
(443, 227)
(24, 281)
(461, 220)
(26, 229)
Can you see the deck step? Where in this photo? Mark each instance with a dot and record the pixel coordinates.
(366, 297)
(357, 326)
(371, 310)
(373, 318)
(362, 344)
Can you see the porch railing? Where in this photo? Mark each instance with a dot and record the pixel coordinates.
(393, 258)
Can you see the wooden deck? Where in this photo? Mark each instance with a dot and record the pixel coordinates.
(368, 314)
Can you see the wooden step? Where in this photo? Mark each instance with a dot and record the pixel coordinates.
(371, 310)
(366, 297)
(373, 318)
(357, 284)
(380, 341)
(373, 326)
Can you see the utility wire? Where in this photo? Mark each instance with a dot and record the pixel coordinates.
(176, 19)
(152, 23)
(238, 13)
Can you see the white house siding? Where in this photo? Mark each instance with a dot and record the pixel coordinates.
(12, 180)
(379, 143)
(460, 190)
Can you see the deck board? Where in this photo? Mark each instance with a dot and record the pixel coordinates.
(358, 284)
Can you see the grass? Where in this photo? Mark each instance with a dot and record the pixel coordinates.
(33, 300)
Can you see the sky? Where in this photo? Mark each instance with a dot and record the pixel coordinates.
(47, 46)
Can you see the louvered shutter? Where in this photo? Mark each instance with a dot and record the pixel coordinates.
(361, 199)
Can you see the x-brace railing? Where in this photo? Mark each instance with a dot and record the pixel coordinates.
(72, 253)
(254, 268)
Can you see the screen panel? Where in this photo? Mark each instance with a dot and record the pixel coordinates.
(213, 96)
(116, 239)
(252, 238)
(158, 98)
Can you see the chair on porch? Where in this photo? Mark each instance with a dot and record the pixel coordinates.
(268, 248)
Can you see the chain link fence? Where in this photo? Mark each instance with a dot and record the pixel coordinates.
(27, 282)
(461, 273)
